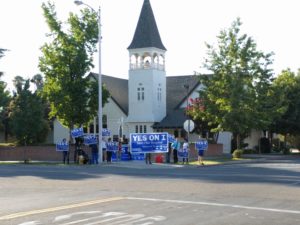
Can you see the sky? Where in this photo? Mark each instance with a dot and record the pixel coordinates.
(184, 25)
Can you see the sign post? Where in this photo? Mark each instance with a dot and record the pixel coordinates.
(189, 126)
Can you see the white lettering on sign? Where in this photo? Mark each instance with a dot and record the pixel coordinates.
(151, 137)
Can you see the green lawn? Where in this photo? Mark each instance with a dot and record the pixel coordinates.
(217, 161)
(7, 144)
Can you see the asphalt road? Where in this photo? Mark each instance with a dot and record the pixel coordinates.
(139, 194)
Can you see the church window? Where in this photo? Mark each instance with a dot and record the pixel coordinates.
(143, 95)
(104, 121)
(141, 129)
(140, 94)
(145, 129)
(159, 94)
(136, 128)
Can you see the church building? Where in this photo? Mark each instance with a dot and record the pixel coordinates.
(149, 101)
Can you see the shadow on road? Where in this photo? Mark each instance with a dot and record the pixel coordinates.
(268, 171)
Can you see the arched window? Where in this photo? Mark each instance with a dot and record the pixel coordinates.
(147, 61)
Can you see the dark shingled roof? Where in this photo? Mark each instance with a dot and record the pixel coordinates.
(176, 92)
(118, 89)
(176, 95)
(146, 32)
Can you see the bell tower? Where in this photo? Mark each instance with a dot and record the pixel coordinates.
(147, 75)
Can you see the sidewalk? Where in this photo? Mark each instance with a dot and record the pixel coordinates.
(211, 161)
(272, 156)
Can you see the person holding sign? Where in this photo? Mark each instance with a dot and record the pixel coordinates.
(95, 153)
(63, 146)
(103, 148)
(201, 146)
(176, 148)
(109, 150)
(185, 151)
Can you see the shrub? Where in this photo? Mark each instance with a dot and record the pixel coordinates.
(237, 153)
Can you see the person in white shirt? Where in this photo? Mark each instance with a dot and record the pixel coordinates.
(103, 147)
(185, 148)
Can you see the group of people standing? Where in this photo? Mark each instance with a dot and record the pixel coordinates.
(176, 147)
(80, 156)
(181, 152)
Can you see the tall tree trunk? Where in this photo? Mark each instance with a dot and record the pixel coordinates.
(238, 141)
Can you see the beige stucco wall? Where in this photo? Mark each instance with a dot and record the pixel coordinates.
(59, 132)
(114, 117)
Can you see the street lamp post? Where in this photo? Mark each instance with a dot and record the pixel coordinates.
(77, 2)
(187, 87)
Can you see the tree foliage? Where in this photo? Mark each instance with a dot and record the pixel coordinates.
(4, 99)
(287, 89)
(66, 60)
(2, 50)
(235, 96)
(27, 118)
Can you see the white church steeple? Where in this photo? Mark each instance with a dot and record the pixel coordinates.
(147, 77)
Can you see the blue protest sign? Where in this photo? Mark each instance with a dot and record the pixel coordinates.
(149, 143)
(77, 132)
(124, 148)
(183, 153)
(105, 132)
(138, 156)
(112, 146)
(90, 139)
(62, 146)
(201, 145)
(171, 138)
(125, 154)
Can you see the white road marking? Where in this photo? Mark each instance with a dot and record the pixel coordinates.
(113, 218)
(69, 216)
(31, 223)
(217, 204)
(129, 216)
(104, 215)
(154, 218)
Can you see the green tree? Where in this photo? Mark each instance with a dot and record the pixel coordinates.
(2, 50)
(66, 60)
(235, 96)
(27, 121)
(287, 89)
(4, 101)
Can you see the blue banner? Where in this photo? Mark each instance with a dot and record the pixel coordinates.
(124, 148)
(90, 139)
(105, 132)
(112, 146)
(171, 138)
(201, 145)
(62, 147)
(77, 132)
(149, 143)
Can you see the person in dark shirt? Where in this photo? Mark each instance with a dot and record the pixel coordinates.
(95, 153)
